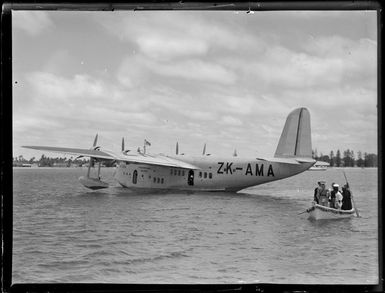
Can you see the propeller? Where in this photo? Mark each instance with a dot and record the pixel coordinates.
(94, 147)
(124, 151)
(204, 151)
(95, 141)
(235, 153)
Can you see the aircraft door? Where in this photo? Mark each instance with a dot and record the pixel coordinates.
(190, 178)
(135, 177)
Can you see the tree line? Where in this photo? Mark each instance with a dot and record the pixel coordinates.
(52, 162)
(347, 159)
(49, 162)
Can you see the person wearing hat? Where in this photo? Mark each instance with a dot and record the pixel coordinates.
(332, 196)
(323, 194)
(337, 196)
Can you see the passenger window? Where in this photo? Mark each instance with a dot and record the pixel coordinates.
(178, 172)
(205, 175)
(172, 171)
(158, 180)
(210, 175)
(154, 179)
(183, 173)
(200, 174)
(175, 172)
(162, 180)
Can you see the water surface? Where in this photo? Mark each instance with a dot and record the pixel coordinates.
(66, 233)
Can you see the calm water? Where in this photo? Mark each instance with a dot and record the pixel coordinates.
(65, 233)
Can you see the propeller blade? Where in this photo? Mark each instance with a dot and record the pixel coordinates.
(177, 148)
(204, 150)
(122, 144)
(235, 153)
(95, 140)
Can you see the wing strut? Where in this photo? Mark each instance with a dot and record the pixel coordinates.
(89, 182)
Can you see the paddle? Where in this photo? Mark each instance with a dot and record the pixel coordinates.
(351, 195)
(306, 211)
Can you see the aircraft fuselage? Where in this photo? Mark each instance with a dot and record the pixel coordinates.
(216, 174)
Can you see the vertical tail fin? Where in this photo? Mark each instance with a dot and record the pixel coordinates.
(295, 139)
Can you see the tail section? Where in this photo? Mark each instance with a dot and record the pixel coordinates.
(295, 139)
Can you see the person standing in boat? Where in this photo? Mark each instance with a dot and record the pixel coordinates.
(335, 197)
(323, 194)
(339, 200)
(346, 198)
(316, 193)
(332, 197)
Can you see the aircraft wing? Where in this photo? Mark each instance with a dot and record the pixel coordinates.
(157, 160)
(74, 151)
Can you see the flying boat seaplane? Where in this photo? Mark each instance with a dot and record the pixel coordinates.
(141, 170)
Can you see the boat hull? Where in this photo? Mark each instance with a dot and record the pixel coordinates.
(318, 212)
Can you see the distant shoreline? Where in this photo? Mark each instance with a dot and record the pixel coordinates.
(56, 167)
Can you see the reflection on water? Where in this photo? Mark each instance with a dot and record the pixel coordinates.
(66, 233)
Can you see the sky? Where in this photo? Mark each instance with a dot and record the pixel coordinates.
(225, 78)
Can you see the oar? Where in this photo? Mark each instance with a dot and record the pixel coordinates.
(302, 212)
(351, 196)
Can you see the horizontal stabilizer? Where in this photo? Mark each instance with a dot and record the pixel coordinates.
(281, 160)
(305, 160)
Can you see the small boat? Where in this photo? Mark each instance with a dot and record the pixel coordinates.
(319, 212)
(319, 166)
